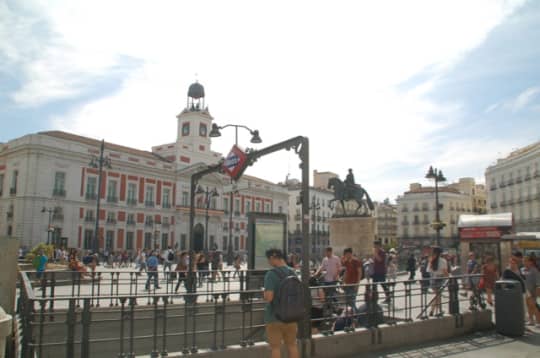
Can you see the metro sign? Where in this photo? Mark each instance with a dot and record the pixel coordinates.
(235, 162)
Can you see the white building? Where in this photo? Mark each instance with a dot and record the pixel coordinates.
(386, 224)
(144, 194)
(416, 214)
(514, 186)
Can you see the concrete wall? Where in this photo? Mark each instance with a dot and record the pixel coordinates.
(9, 248)
(382, 338)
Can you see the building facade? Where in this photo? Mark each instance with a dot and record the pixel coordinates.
(49, 191)
(514, 186)
(386, 224)
(416, 212)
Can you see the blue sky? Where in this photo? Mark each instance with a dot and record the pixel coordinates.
(387, 88)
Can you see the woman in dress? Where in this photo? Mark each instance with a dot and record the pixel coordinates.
(438, 269)
(532, 280)
(490, 275)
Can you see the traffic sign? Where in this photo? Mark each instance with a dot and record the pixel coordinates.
(235, 162)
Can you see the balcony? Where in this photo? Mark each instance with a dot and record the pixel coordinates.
(416, 222)
(237, 229)
(503, 203)
(130, 222)
(425, 222)
(236, 213)
(297, 217)
(425, 208)
(9, 215)
(536, 173)
(404, 209)
(416, 209)
(89, 219)
(502, 184)
(166, 206)
(110, 221)
(112, 199)
(493, 187)
(226, 212)
(58, 217)
(165, 225)
(131, 201)
(90, 196)
(519, 180)
(405, 223)
(149, 204)
(149, 223)
(59, 192)
(13, 191)
(510, 182)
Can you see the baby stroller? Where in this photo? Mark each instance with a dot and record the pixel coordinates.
(477, 294)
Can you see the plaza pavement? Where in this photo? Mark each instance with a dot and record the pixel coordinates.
(477, 345)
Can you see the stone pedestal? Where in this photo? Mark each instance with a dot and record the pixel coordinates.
(357, 233)
(9, 251)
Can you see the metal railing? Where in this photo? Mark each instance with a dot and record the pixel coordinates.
(68, 316)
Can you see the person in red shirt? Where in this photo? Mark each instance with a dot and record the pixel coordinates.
(352, 276)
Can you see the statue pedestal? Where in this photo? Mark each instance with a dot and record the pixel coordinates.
(357, 233)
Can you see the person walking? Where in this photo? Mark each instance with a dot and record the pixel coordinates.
(438, 268)
(411, 266)
(379, 269)
(277, 332)
(152, 267)
(532, 283)
(331, 266)
(181, 269)
(40, 263)
(489, 276)
(351, 278)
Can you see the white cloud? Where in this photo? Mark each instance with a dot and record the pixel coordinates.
(329, 72)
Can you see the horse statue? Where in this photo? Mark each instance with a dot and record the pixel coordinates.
(357, 193)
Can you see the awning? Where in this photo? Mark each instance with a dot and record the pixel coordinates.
(489, 220)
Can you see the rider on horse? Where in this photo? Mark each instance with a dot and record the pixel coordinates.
(350, 185)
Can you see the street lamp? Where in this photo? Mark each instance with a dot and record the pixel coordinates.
(437, 175)
(255, 138)
(50, 229)
(208, 194)
(315, 205)
(99, 163)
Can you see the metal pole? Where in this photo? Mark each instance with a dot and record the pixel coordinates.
(437, 216)
(96, 233)
(49, 228)
(206, 223)
(191, 276)
(305, 328)
(230, 257)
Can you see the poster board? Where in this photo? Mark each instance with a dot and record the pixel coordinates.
(265, 231)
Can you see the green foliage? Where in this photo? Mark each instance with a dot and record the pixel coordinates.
(48, 250)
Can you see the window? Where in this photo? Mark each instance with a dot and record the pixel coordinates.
(236, 205)
(88, 236)
(129, 240)
(149, 221)
(89, 216)
(131, 219)
(213, 245)
(59, 184)
(149, 197)
(266, 208)
(147, 240)
(185, 198)
(91, 188)
(257, 206)
(202, 130)
(185, 129)
(111, 191)
(236, 243)
(132, 193)
(280, 209)
(226, 204)
(166, 198)
(109, 240)
(224, 243)
(247, 207)
(164, 240)
(14, 179)
(111, 217)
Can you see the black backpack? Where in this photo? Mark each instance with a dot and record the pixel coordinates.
(289, 301)
(170, 257)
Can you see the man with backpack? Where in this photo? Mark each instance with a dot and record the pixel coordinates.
(285, 304)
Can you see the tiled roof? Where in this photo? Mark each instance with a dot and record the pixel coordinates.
(97, 143)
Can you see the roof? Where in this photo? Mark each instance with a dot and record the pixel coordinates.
(502, 219)
(97, 143)
(523, 236)
(252, 178)
(430, 189)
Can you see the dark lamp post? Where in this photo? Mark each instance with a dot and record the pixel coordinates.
(438, 176)
(315, 206)
(50, 229)
(99, 163)
(255, 138)
(208, 195)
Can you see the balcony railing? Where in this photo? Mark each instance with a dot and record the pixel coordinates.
(510, 182)
(536, 173)
(519, 180)
(425, 208)
(148, 223)
(130, 222)
(527, 177)
(166, 206)
(111, 221)
(416, 209)
(58, 217)
(405, 223)
(131, 201)
(90, 196)
(503, 203)
(89, 219)
(13, 191)
(502, 184)
(149, 204)
(112, 199)
(59, 192)
(404, 209)
(9, 215)
(493, 187)
(236, 213)
(416, 222)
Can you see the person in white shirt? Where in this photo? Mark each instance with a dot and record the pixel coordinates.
(438, 268)
(331, 266)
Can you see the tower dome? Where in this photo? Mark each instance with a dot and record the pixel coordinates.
(196, 91)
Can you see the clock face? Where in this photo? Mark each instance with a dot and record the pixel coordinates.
(202, 130)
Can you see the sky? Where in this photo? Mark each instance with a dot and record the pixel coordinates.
(386, 88)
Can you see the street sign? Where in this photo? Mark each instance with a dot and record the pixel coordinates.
(235, 162)
(234, 187)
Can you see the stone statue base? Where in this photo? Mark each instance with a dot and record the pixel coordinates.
(357, 233)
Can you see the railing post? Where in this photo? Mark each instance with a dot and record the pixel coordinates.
(122, 319)
(71, 321)
(85, 320)
(453, 290)
(155, 353)
(132, 303)
(164, 342)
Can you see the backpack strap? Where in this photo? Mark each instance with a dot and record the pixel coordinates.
(280, 274)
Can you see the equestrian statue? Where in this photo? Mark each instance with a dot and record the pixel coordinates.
(349, 190)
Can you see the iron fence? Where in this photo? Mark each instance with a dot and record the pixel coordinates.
(122, 321)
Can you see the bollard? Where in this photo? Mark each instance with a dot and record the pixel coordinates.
(5, 330)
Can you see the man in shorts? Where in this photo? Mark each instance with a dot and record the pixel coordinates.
(277, 331)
